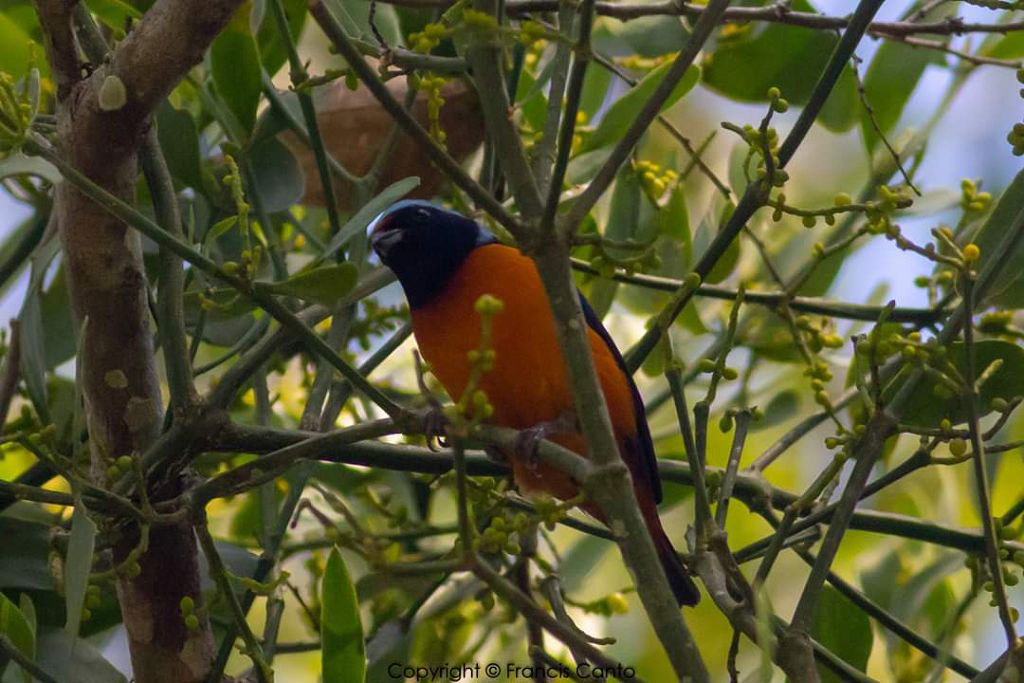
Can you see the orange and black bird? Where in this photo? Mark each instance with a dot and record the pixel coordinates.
(445, 262)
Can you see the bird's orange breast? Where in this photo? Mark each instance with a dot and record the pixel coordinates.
(528, 384)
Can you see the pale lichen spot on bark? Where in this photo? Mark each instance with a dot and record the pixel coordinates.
(618, 529)
(112, 95)
(573, 324)
(140, 413)
(196, 653)
(116, 379)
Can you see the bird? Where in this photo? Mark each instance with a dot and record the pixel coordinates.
(445, 262)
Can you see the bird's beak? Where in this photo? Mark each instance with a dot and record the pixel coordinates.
(382, 241)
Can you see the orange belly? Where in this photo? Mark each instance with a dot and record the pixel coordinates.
(528, 384)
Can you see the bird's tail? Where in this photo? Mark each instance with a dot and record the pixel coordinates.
(679, 580)
(682, 585)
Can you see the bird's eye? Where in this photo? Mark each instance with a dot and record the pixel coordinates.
(422, 213)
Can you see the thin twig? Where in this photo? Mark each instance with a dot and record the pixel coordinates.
(220, 575)
(995, 566)
(739, 438)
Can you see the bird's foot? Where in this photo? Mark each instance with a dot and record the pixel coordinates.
(528, 440)
(435, 421)
(435, 428)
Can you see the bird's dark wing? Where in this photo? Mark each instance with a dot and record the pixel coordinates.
(641, 441)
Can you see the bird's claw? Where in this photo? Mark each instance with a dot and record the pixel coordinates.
(435, 422)
(435, 428)
(528, 440)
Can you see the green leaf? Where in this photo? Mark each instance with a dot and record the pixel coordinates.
(20, 50)
(19, 164)
(343, 653)
(623, 221)
(179, 141)
(17, 629)
(839, 112)
(925, 409)
(709, 227)
(780, 408)
(221, 227)
(33, 355)
(1007, 290)
(28, 609)
(531, 95)
(1010, 46)
(77, 565)
(58, 322)
(276, 174)
(17, 245)
(745, 66)
(273, 52)
(738, 157)
(583, 167)
(236, 69)
(888, 84)
(357, 16)
(359, 221)
(116, 14)
(844, 630)
(595, 90)
(878, 582)
(323, 285)
(622, 113)
(74, 659)
(925, 586)
(651, 36)
(675, 221)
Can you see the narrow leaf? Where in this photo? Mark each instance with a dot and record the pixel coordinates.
(235, 65)
(322, 285)
(1008, 288)
(358, 223)
(77, 566)
(343, 653)
(18, 164)
(15, 627)
(888, 85)
(844, 630)
(925, 408)
(620, 115)
(74, 659)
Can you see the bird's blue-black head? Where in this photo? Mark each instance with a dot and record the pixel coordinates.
(424, 245)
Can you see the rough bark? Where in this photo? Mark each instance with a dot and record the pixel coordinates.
(108, 293)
